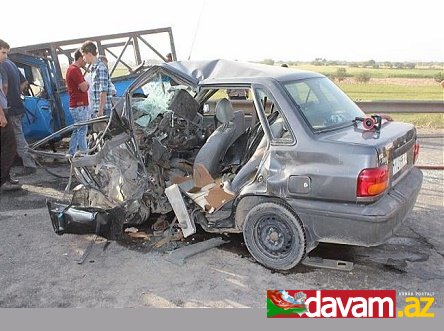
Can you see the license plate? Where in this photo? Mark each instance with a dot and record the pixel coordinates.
(399, 163)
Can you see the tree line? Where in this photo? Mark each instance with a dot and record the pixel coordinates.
(359, 64)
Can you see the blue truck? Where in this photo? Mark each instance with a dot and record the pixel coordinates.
(44, 65)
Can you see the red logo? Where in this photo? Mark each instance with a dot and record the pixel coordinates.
(331, 303)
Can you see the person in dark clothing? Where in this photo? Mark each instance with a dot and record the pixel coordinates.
(7, 155)
(7, 137)
(15, 84)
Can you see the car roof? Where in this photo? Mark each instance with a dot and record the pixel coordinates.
(226, 71)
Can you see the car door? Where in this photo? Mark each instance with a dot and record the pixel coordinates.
(46, 109)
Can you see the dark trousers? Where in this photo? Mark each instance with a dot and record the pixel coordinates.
(8, 150)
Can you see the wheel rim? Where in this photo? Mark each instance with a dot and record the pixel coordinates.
(274, 237)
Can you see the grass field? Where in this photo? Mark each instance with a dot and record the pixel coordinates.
(373, 92)
(375, 73)
(386, 83)
(433, 121)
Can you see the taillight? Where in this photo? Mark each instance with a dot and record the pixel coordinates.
(372, 181)
(415, 152)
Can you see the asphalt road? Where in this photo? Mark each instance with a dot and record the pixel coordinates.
(39, 268)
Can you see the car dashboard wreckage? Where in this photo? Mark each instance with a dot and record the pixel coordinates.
(288, 167)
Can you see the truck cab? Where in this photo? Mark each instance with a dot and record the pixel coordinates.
(44, 66)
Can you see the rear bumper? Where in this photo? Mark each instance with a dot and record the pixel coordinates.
(360, 224)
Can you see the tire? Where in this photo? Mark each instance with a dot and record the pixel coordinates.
(274, 236)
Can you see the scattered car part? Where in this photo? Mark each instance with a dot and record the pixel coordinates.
(81, 220)
(318, 262)
(161, 224)
(87, 250)
(139, 235)
(175, 197)
(177, 235)
(179, 255)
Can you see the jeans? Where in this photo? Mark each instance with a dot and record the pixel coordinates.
(22, 145)
(78, 137)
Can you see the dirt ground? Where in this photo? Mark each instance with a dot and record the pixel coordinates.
(38, 268)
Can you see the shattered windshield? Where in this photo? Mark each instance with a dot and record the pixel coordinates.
(322, 103)
(154, 98)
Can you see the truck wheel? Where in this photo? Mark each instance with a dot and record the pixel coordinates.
(274, 236)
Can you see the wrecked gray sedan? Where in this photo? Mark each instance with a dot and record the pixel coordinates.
(280, 155)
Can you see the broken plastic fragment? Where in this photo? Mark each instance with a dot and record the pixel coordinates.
(131, 230)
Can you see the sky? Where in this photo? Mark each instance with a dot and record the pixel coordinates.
(247, 30)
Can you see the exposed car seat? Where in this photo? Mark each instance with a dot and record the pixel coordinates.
(216, 146)
(240, 124)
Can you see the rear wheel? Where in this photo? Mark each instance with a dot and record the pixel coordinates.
(274, 236)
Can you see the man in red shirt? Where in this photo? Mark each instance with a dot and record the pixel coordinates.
(78, 103)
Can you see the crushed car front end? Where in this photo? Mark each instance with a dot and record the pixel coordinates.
(128, 164)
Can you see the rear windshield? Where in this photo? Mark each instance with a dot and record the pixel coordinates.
(322, 103)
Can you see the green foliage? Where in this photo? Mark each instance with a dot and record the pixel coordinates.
(340, 75)
(363, 77)
(439, 77)
(370, 63)
(268, 61)
(435, 121)
(319, 62)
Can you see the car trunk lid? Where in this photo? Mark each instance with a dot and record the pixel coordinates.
(394, 144)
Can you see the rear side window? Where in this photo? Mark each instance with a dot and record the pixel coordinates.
(322, 103)
(278, 126)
